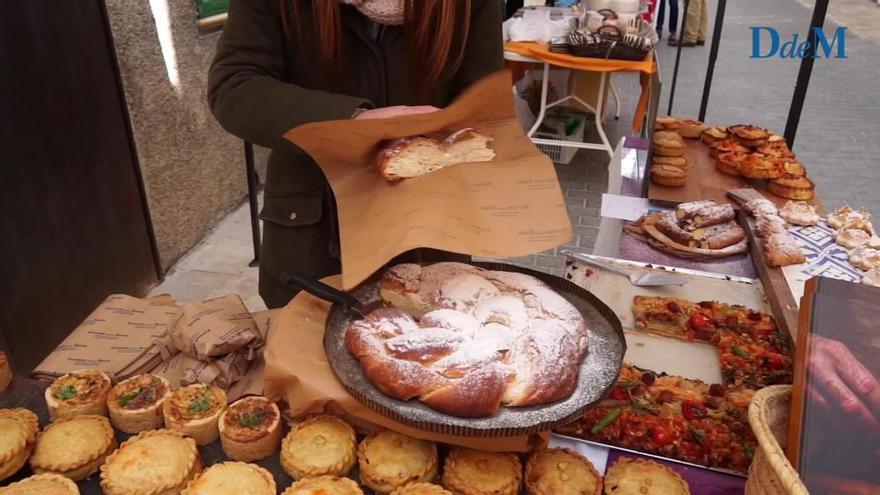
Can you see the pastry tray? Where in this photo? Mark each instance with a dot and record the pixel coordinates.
(599, 369)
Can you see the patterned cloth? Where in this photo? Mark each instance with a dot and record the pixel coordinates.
(380, 11)
(824, 256)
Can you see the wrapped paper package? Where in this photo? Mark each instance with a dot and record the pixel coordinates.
(298, 373)
(511, 206)
(215, 327)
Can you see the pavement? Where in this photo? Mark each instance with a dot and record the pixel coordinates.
(838, 138)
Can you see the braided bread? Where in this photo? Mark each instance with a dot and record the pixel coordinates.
(465, 340)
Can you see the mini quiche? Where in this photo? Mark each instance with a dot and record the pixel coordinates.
(42, 484)
(195, 410)
(79, 392)
(324, 485)
(561, 472)
(421, 489)
(474, 472)
(643, 477)
(250, 429)
(389, 460)
(232, 478)
(151, 463)
(5, 372)
(319, 445)
(135, 404)
(18, 432)
(74, 447)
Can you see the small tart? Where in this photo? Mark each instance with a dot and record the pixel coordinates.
(730, 162)
(195, 410)
(666, 123)
(776, 149)
(643, 477)
(714, 135)
(872, 278)
(792, 187)
(79, 392)
(726, 146)
(17, 434)
(668, 175)
(864, 257)
(135, 404)
(794, 168)
(42, 484)
(232, 478)
(690, 129)
(74, 447)
(474, 472)
(319, 445)
(5, 372)
(799, 213)
(561, 472)
(421, 489)
(152, 463)
(852, 238)
(389, 460)
(759, 166)
(250, 429)
(749, 135)
(324, 485)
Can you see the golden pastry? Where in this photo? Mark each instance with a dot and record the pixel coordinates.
(474, 472)
(250, 429)
(864, 257)
(643, 477)
(79, 392)
(324, 485)
(799, 213)
(42, 484)
(758, 166)
(153, 462)
(666, 123)
(389, 460)
(74, 447)
(852, 238)
(872, 278)
(794, 168)
(860, 222)
(726, 146)
(668, 175)
(730, 162)
(232, 478)
(421, 489)
(668, 143)
(776, 149)
(792, 187)
(319, 445)
(676, 161)
(836, 218)
(714, 135)
(195, 410)
(135, 404)
(690, 129)
(561, 472)
(749, 135)
(18, 432)
(5, 372)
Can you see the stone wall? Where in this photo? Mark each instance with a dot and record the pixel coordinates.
(193, 171)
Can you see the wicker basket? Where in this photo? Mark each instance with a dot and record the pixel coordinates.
(770, 472)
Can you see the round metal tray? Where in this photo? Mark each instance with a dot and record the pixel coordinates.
(599, 369)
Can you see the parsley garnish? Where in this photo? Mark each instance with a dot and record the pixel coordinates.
(67, 392)
(125, 399)
(252, 419)
(698, 436)
(199, 404)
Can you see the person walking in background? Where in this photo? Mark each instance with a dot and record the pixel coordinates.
(673, 18)
(696, 24)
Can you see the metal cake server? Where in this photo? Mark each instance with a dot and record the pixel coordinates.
(642, 279)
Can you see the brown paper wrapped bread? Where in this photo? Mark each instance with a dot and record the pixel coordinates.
(414, 156)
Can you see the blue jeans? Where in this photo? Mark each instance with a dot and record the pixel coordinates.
(673, 15)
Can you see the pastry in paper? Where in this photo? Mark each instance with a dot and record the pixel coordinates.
(215, 327)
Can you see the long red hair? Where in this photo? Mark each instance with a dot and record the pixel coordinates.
(435, 32)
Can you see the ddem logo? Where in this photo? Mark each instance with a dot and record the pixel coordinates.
(833, 48)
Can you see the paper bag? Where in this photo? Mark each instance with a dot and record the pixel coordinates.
(298, 373)
(215, 328)
(183, 369)
(512, 206)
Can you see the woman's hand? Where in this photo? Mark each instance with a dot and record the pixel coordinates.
(843, 386)
(395, 111)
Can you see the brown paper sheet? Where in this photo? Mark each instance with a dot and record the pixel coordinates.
(215, 327)
(118, 338)
(512, 206)
(297, 372)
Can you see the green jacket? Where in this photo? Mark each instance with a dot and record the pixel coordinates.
(262, 84)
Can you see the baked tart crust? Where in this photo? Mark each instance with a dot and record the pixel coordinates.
(74, 447)
(640, 476)
(42, 484)
(17, 434)
(319, 445)
(474, 472)
(156, 462)
(78, 392)
(250, 429)
(195, 410)
(560, 471)
(389, 460)
(421, 489)
(232, 478)
(135, 404)
(792, 187)
(324, 485)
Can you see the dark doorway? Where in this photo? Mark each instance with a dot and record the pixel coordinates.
(74, 222)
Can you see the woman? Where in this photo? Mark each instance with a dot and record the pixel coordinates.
(673, 18)
(283, 63)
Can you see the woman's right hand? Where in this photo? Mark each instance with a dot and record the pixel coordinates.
(395, 111)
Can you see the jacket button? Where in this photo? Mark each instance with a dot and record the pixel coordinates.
(293, 215)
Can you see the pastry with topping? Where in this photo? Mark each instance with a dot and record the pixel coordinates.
(749, 135)
(714, 135)
(690, 129)
(799, 213)
(836, 218)
(79, 392)
(153, 462)
(872, 278)
(195, 410)
(319, 445)
(783, 250)
(232, 478)
(475, 472)
(560, 471)
(793, 187)
(135, 404)
(759, 166)
(389, 460)
(74, 447)
(250, 429)
(731, 162)
(666, 123)
(864, 257)
(852, 238)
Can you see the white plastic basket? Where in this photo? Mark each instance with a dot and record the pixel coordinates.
(563, 154)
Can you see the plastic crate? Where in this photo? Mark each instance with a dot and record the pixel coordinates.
(562, 154)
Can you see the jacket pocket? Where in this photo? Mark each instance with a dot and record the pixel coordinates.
(294, 209)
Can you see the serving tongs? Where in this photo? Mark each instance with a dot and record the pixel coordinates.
(638, 279)
(325, 292)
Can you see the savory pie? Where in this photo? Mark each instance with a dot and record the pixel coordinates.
(691, 129)
(151, 463)
(74, 447)
(730, 162)
(42, 484)
(389, 460)
(714, 135)
(726, 146)
(474, 472)
(250, 429)
(195, 410)
(18, 432)
(760, 166)
(324, 485)
(794, 168)
(79, 392)
(421, 489)
(561, 472)
(749, 135)
(319, 445)
(793, 187)
(232, 478)
(135, 404)
(643, 477)
(5, 372)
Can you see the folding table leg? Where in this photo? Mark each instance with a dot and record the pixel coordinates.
(545, 82)
(600, 103)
